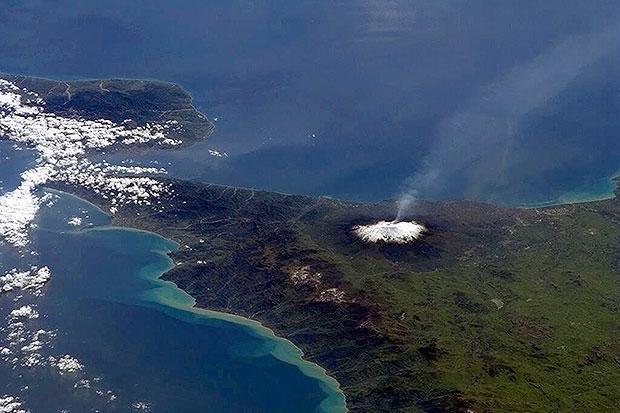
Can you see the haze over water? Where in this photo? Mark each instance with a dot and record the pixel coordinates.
(343, 98)
(353, 98)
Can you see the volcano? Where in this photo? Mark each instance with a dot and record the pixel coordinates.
(394, 232)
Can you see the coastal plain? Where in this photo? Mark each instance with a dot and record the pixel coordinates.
(492, 309)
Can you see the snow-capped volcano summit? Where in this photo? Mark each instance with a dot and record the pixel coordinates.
(389, 232)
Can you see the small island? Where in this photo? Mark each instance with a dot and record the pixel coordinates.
(488, 309)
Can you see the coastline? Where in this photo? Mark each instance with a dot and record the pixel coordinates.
(580, 197)
(327, 246)
(208, 198)
(168, 294)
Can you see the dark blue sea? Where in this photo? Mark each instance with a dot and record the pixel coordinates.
(508, 102)
(141, 343)
(500, 101)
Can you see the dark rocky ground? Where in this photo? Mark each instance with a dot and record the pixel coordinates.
(494, 309)
(141, 101)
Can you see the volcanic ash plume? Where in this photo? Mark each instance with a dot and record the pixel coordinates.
(406, 201)
(483, 129)
(389, 232)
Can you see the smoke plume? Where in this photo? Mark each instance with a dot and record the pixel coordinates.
(487, 125)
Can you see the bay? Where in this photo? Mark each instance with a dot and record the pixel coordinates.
(140, 340)
(352, 98)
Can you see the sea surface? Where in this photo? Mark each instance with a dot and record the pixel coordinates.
(497, 101)
(142, 345)
(359, 99)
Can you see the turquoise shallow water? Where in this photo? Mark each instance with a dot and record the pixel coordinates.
(326, 98)
(603, 188)
(141, 339)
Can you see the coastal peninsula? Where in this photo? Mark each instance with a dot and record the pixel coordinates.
(490, 309)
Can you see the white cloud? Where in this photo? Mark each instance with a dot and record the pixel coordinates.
(32, 279)
(11, 404)
(25, 311)
(142, 406)
(62, 145)
(75, 221)
(66, 364)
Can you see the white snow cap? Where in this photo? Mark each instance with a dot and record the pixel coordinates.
(389, 232)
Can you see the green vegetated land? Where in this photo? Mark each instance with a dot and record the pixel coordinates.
(137, 102)
(511, 310)
(521, 316)
(494, 309)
